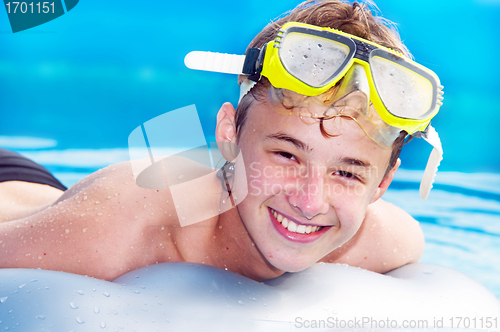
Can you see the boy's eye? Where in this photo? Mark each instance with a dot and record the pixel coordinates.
(285, 155)
(345, 174)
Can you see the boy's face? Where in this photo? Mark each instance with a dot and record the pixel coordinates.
(294, 172)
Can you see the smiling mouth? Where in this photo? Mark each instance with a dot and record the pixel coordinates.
(294, 227)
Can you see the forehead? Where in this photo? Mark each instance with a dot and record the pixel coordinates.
(266, 120)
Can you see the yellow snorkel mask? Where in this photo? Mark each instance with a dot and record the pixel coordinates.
(309, 60)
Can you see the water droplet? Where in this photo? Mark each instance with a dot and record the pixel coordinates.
(67, 231)
(80, 292)
(137, 292)
(131, 247)
(3, 299)
(97, 202)
(84, 197)
(21, 286)
(106, 294)
(305, 56)
(103, 325)
(180, 177)
(40, 317)
(240, 302)
(80, 320)
(73, 305)
(96, 310)
(84, 230)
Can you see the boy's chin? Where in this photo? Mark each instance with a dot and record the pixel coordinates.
(290, 266)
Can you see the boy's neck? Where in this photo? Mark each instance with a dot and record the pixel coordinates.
(235, 251)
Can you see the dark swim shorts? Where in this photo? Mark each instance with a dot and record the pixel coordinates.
(14, 167)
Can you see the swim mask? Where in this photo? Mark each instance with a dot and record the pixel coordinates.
(309, 60)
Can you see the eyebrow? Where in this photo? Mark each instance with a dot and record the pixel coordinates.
(289, 139)
(355, 162)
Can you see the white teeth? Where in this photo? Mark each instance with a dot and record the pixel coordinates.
(309, 229)
(293, 227)
(301, 229)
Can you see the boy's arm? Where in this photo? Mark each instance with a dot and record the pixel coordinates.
(90, 230)
(388, 238)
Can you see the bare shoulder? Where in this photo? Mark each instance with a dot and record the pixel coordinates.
(388, 238)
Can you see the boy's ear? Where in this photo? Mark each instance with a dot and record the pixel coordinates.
(386, 181)
(225, 132)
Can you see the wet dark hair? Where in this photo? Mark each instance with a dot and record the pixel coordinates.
(353, 18)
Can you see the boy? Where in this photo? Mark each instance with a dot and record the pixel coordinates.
(316, 166)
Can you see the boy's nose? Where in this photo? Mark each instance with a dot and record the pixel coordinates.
(310, 198)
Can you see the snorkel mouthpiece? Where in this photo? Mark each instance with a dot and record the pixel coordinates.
(432, 137)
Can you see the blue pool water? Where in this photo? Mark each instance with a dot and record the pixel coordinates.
(73, 89)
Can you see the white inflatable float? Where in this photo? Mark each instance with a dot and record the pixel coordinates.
(192, 297)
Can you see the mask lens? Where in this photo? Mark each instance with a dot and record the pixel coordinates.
(312, 59)
(403, 90)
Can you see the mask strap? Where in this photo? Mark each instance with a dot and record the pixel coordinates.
(432, 137)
